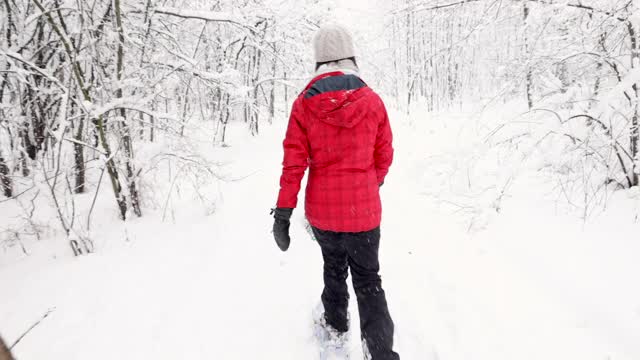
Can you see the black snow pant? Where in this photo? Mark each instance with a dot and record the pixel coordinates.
(358, 251)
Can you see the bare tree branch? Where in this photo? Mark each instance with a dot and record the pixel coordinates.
(31, 328)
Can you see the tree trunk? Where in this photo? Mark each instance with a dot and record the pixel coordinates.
(24, 164)
(9, 26)
(409, 68)
(635, 58)
(126, 132)
(152, 121)
(529, 76)
(78, 155)
(5, 179)
(286, 88)
(254, 113)
(185, 108)
(272, 94)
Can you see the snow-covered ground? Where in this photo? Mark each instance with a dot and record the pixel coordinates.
(532, 282)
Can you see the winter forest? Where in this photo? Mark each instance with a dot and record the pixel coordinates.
(141, 151)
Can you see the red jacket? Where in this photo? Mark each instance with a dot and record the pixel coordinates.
(339, 128)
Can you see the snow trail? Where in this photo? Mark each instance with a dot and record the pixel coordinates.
(218, 287)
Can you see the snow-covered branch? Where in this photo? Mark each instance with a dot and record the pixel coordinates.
(209, 16)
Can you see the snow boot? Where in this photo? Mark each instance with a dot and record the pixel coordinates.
(334, 345)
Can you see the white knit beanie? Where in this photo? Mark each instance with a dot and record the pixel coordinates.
(333, 42)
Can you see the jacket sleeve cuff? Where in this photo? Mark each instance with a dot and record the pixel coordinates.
(286, 202)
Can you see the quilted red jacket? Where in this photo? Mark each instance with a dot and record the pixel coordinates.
(339, 128)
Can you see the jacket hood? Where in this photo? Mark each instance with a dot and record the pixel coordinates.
(336, 98)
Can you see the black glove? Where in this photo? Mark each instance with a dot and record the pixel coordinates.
(281, 227)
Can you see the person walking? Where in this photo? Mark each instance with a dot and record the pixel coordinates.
(339, 129)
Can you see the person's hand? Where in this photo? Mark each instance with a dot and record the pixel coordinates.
(281, 227)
